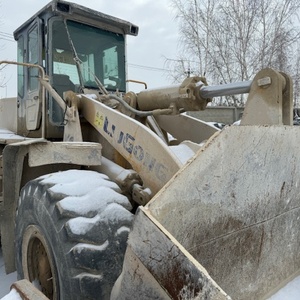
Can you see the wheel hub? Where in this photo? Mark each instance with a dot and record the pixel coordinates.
(38, 266)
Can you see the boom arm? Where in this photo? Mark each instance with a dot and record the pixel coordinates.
(149, 156)
(145, 151)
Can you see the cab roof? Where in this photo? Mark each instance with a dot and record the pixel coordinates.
(82, 14)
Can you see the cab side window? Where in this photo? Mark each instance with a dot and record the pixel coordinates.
(21, 68)
(33, 58)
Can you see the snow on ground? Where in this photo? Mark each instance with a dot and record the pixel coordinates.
(12, 295)
(290, 292)
(5, 280)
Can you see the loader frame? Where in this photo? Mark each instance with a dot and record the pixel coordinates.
(125, 137)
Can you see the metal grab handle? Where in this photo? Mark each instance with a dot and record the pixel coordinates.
(42, 77)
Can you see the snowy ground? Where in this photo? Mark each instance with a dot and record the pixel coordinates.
(290, 292)
(5, 280)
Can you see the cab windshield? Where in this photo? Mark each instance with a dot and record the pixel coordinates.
(99, 53)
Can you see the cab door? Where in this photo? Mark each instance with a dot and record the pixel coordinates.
(34, 56)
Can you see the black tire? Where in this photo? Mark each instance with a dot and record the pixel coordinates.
(71, 234)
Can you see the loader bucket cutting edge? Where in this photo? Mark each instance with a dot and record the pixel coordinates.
(234, 209)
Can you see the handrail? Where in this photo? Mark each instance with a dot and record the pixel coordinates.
(44, 80)
(43, 77)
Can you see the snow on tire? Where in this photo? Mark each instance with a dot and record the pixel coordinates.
(71, 234)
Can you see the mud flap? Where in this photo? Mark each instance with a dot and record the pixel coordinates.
(157, 267)
(13, 159)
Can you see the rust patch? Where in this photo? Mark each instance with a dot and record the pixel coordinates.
(179, 282)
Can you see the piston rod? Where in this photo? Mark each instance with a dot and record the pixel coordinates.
(228, 89)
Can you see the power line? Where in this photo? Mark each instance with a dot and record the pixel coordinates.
(9, 37)
(9, 40)
(6, 33)
(6, 36)
(148, 68)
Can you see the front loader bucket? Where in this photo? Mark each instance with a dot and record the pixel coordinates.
(226, 224)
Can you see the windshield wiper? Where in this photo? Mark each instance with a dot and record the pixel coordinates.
(76, 58)
(78, 63)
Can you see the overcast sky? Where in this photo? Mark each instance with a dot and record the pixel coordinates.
(158, 36)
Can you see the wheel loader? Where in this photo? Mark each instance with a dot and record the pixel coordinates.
(110, 194)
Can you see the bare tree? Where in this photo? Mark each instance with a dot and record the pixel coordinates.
(231, 40)
(2, 79)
